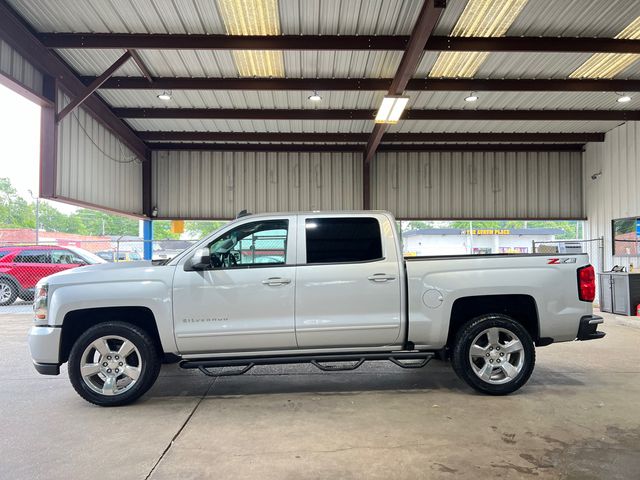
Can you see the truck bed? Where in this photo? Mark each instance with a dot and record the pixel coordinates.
(548, 280)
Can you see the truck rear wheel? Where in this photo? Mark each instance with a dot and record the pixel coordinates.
(494, 354)
(113, 363)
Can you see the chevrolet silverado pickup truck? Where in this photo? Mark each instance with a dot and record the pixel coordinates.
(331, 289)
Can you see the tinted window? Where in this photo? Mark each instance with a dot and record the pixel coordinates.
(4, 254)
(343, 240)
(32, 256)
(253, 243)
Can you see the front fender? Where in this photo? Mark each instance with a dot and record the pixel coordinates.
(152, 294)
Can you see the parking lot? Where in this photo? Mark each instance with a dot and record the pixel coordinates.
(578, 418)
(17, 307)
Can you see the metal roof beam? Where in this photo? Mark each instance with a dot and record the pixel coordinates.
(384, 147)
(335, 42)
(93, 86)
(568, 137)
(372, 84)
(146, 73)
(340, 114)
(20, 37)
(425, 23)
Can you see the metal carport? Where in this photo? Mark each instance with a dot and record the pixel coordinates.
(231, 138)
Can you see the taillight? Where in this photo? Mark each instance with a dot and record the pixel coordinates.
(586, 284)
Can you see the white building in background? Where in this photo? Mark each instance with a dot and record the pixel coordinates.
(454, 241)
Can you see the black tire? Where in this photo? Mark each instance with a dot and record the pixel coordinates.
(27, 297)
(7, 285)
(149, 356)
(462, 362)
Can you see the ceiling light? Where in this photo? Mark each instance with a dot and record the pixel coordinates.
(608, 65)
(471, 98)
(391, 109)
(624, 99)
(315, 97)
(165, 96)
(254, 17)
(480, 18)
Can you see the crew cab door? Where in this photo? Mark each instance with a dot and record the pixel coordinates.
(244, 300)
(348, 284)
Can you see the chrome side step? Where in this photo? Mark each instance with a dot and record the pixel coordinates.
(403, 359)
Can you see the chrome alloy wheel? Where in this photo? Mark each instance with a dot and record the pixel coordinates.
(5, 292)
(110, 365)
(496, 355)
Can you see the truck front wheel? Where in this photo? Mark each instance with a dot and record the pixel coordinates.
(113, 363)
(494, 354)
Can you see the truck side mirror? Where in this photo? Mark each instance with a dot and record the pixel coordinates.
(201, 260)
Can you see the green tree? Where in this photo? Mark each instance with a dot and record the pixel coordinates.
(201, 228)
(92, 222)
(162, 230)
(15, 212)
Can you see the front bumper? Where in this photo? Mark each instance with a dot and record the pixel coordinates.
(44, 345)
(47, 368)
(588, 328)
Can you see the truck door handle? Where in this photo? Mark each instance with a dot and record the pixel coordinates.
(276, 281)
(381, 277)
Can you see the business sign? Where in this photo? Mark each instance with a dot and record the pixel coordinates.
(487, 232)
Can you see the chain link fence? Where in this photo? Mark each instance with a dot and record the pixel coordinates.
(22, 264)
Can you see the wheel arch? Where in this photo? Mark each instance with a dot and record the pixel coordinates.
(76, 322)
(522, 308)
(12, 279)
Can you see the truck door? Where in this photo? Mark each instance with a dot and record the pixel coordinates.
(348, 290)
(245, 300)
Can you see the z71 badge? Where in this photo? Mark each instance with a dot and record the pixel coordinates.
(558, 261)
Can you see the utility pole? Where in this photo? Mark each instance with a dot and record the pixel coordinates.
(37, 199)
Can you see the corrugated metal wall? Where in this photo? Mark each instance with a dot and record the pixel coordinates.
(218, 185)
(94, 166)
(527, 185)
(614, 194)
(479, 185)
(14, 66)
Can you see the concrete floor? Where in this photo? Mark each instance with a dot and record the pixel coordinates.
(578, 418)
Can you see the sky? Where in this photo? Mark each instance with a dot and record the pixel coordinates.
(20, 144)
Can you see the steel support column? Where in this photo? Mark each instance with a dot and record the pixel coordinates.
(48, 140)
(147, 236)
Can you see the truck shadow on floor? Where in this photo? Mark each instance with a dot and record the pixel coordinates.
(290, 379)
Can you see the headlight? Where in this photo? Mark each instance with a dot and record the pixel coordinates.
(40, 304)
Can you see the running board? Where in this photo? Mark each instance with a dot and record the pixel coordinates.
(403, 359)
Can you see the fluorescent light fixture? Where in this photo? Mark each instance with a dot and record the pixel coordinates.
(624, 99)
(480, 18)
(165, 96)
(315, 97)
(391, 109)
(471, 98)
(608, 65)
(254, 17)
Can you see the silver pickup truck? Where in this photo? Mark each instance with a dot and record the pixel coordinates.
(332, 289)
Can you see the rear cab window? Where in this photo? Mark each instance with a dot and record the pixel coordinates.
(343, 240)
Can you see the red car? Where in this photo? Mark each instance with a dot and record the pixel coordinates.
(22, 266)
